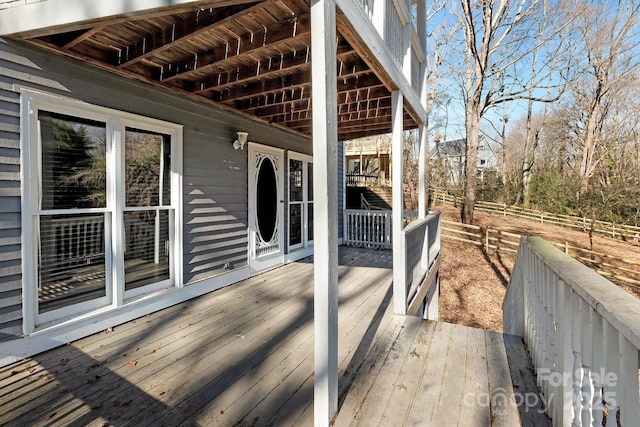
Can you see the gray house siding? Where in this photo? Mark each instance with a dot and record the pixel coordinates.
(214, 174)
(10, 264)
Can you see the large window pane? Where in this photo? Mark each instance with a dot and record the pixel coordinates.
(71, 260)
(73, 162)
(310, 222)
(147, 168)
(146, 256)
(295, 224)
(295, 180)
(310, 181)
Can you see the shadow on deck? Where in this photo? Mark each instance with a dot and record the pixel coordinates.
(243, 355)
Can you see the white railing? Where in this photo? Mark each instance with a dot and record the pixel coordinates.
(366, 228)
(583, 335)
(421, 261)
(363, 180)
(392, 20)
(74, 240)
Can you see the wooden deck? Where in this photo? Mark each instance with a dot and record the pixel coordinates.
(243, 355)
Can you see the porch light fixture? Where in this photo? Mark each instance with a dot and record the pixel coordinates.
(238, 144)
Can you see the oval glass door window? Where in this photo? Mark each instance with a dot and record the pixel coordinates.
(267, 200)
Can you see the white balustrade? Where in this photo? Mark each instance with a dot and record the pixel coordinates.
(393, 21)
(583, 335)
(367, 229)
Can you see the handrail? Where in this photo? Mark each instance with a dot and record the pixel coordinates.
(418, 283)
(421, 262)
(582, 332)
(364, 203)
(363, 180)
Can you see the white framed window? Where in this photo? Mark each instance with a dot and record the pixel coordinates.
(300, 188)
(101, 207)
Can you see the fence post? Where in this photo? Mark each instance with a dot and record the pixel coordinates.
(486, 240)
(566, 247)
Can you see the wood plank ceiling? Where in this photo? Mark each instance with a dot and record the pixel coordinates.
(254, 58)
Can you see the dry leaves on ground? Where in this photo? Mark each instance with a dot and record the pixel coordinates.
(473, 283)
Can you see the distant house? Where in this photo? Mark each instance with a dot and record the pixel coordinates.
(453, 153)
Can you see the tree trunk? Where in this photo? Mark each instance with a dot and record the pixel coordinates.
(590, 141)
(471, 164)
(526, 192)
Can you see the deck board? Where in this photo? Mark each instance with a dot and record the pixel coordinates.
(243, 355)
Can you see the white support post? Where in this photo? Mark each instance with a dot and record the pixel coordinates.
(421, 10)
(325, 208)
(422, 172)
(399, 286)
(423, 132)
(407, 50)
(377, 18)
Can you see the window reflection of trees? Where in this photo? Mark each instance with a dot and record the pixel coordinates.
(146, 158)
(73, 162)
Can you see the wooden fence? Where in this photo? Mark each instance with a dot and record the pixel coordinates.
(620, 231)
(500, 241)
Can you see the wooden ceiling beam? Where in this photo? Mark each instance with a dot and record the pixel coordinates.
(284, 64)
(347, 126)
(291, 63)
(281, 108)
(286, 83)
(272, 36)
(286, 108)
(343, 119)
(275, 98)
(196, 23)
(348, 135)
(286, 96)
(345, 83)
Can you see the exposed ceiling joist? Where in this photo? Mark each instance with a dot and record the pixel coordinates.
(251, 57)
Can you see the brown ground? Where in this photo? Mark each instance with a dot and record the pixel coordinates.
(473, 283)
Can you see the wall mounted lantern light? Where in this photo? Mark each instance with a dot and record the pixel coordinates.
(238, 144)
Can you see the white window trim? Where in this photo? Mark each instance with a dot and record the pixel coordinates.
(116, 123)
(305, 159)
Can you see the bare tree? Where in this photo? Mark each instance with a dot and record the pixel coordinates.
(440, 45)
(500, 39)
(610, 36)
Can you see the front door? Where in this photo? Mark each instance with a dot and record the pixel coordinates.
(266, 206)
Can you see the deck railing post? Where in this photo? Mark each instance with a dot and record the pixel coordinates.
(612, 376)
(597, 361)
(629, 364)
(563, 414)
